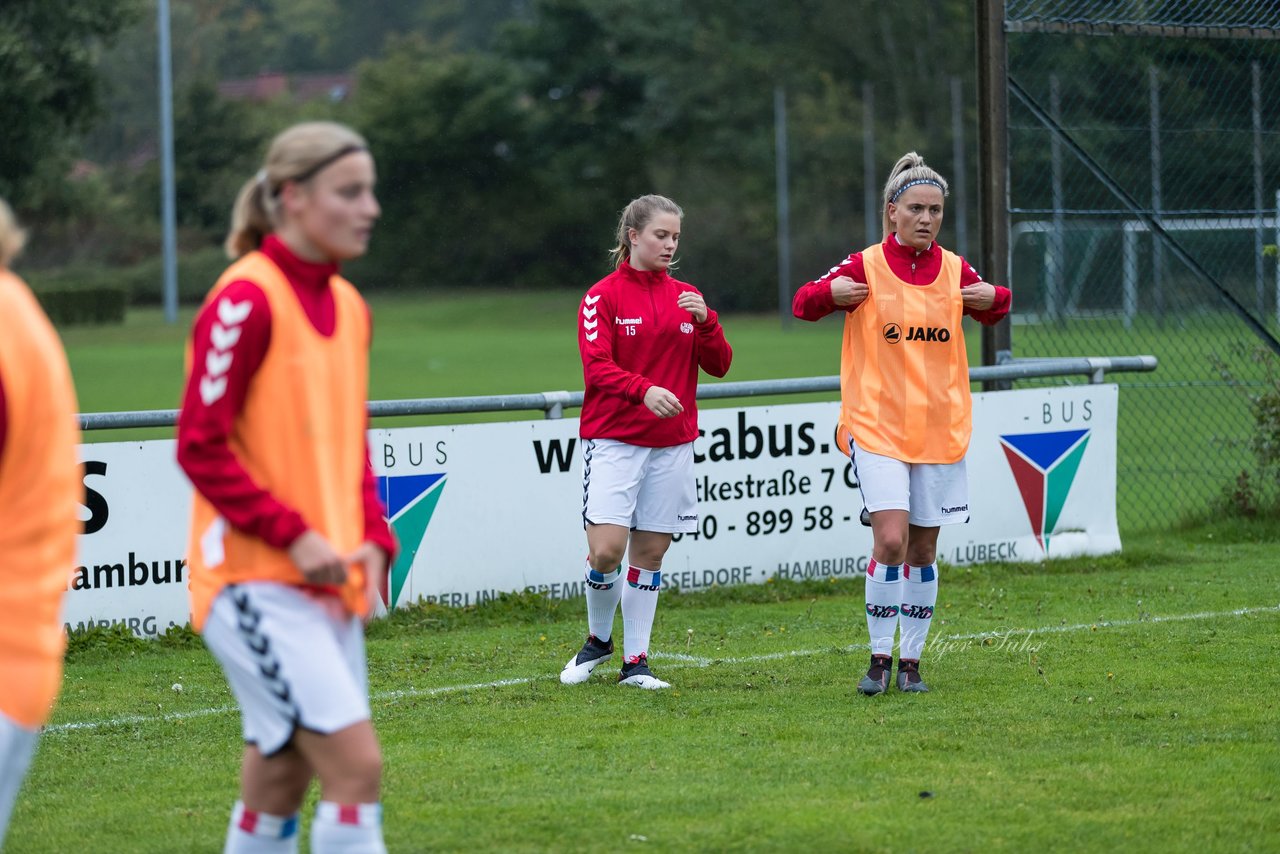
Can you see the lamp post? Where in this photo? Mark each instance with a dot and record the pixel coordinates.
(168, 212)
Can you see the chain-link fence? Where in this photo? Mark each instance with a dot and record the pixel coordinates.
(1144, 186)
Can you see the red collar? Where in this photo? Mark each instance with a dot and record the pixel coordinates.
(303, 274)
(648, 278)
(906, 253)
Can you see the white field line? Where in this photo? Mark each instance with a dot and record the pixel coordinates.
(677, 660)
(941, 640)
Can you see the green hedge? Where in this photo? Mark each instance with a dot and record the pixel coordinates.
(142, 284)
(83, 305)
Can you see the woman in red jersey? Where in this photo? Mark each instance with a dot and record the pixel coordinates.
(289, 546)
(905, 406)
(643, 336)
(40, 492)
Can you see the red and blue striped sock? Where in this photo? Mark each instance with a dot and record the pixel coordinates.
(254, 832)
(919, 596)
(347, 829)
(884, 597)
(603, 592)
(639, 604)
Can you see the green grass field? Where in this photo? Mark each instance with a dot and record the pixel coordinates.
(1117, 703)
(1182, 438)
(436, 345)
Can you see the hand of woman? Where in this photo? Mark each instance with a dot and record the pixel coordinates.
(374, 561)
(980, 295)
(845, 291)
(316, 559)
(694, 304)
(662, 403)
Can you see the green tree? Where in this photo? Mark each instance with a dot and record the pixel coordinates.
(458, 184)
(218, 145)
(586, 76)
(588, 103)
(510, 132)
(48, 88)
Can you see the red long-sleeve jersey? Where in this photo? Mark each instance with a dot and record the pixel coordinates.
(813, 301)
(204, 426)
(633, 336)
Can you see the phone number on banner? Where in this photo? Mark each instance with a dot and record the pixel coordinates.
(810, 513)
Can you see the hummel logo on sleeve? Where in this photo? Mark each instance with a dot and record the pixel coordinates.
(223, 338)
(589, 321)
(212, 390)
(217, 363)
(233, 313)
(223, 335)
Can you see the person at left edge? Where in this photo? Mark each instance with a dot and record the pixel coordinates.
(289, 546)
(40, 492)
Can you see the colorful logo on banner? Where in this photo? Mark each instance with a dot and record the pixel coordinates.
(411, 500)
(1044, 466)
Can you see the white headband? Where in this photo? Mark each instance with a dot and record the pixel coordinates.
(914, 183)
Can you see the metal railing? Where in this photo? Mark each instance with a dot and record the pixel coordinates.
(553, 403)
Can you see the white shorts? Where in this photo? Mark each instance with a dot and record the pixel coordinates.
(294, 658)
(935, 494)
(644, 489)
(17, 745)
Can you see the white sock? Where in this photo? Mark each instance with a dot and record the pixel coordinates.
(919, 595)
(17, 746)
(252, 832)
(639, 603)
(603, 593)
(347, 829)
(884, 596)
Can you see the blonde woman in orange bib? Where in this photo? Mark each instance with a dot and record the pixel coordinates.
(289, 546)
(40, 492)
(905, 417)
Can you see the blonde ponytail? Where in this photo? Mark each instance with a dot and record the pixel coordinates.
(908, 171)
(251, 219)
(12, 237)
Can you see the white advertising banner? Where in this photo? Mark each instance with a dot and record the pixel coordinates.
(481, 509)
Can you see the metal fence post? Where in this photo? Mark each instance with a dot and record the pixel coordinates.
(784, 205)
(168, 204)
(1057, 237)
(993, 167)
(871, 199)
(1157, 195)
(959, 180)
(1260, 286)
(556, 402)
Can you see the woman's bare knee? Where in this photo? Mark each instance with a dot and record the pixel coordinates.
(348, 763)
(922, 548)
(891, 547)
(274, 785)
(606, 545)
(605, 558)
(361, 779)
(648, 548)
